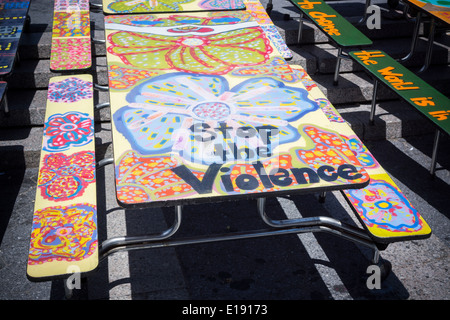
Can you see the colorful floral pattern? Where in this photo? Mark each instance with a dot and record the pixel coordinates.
(328, 149)
(140, 179)
(361, 152)
(63, 5)
(382, 205)
(187, 114)
(304, 78)
(71, 24)
(143, 6)
(70, 54)
(70, 90)
(121, 78)
(64, 177)
(221, 4)
(329, 110)
(61, 131)
(277, 68)
(197, 45)
(63, 234)
(146, 178)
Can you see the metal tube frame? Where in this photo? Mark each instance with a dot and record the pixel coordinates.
(434, 154)
(277, 227)
(300, 27)
(374, 101)
(364, 18)
(415, 37)
(430, 47)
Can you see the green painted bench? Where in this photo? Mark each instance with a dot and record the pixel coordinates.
(338, 29)
(425, 99)
(381, 207)
(64, 240)
(71, 37)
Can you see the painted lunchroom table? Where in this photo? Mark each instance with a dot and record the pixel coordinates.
(439, 12)
(204, 109)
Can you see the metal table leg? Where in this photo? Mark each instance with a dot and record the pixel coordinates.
(435, 149)
(430, 47)
(414, 40)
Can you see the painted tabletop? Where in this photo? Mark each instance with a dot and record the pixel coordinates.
(437, 8)
(332, 23)
(12, 19)
(161, 6)
(204, 109)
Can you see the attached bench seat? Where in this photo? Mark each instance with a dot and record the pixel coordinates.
(13, 19)
(256, 9)
(338, 29)
(381, 207)
(425, 99)
(71, 37)
(64, 230)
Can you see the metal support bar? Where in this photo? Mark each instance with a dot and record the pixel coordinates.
(414, 40)
(374, 102)
(364, 18)
(278, 227)
(338, 66)
(324, 224)
(128, 242)
(100, 88)
(98, 41)
(434, 154)
(300, 27)
(102, 105)
(95, 7)
(104, 162)
(430, 47)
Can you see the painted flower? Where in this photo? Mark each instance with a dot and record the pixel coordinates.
(205, 121)
(70, 90)
(142, 6)
(63, 177)
(124, 78)
(63, 234)
(212, 45)
(328, 149)
(361, 152)
(381, 204)
(222, 4)
(277, 68)
(61, 131)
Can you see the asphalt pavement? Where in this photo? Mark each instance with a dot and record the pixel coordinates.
(293, 267)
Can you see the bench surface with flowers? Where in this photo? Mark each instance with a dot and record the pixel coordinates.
(64, 229)
(13, 16)
(71, 36)
(381, 207)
